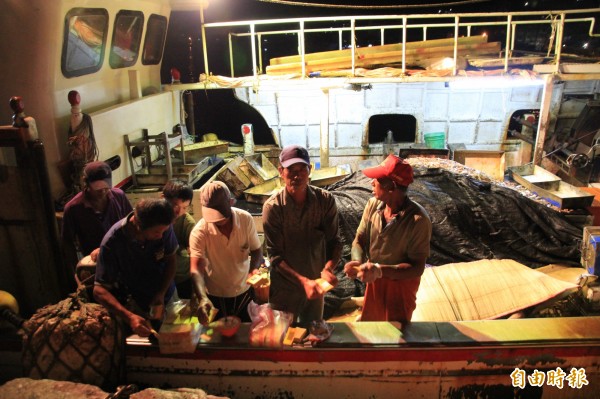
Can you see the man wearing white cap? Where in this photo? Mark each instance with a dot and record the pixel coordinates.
(224, 251)
(301, 232)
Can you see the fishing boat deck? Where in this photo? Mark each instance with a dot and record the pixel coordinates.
(570, 331)
(377, 359)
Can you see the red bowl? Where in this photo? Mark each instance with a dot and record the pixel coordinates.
(228, 326)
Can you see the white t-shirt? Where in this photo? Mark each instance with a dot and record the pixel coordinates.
(228, 259)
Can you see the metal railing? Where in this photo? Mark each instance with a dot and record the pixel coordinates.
(454, 22)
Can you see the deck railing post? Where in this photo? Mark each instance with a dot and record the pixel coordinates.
(512, 37)
(302, 49)
(324, 152)
(204, 50)
(404, 20)
(231, 55)
(455, 52)
(353, 41)
(253, 47)
(260, 61)
(559, 38)
(506, 45)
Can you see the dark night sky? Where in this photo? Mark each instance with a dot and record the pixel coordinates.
(184, 25)
(227, 10)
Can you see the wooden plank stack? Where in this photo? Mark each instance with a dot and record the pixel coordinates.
(421, 53)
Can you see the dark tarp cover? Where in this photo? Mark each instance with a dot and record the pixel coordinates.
(472, 220)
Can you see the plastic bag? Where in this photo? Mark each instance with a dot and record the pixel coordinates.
(320, 331)
(177, 308)
(268, 325)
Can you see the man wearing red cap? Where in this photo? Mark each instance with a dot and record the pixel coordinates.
(301, 232)
(391, 244)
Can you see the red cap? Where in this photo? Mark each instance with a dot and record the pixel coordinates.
(394, 168)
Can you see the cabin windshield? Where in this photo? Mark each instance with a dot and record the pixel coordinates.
(84, 41)
(126, 39)
(155, 39)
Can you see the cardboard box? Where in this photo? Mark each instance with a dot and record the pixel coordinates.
(179, 337)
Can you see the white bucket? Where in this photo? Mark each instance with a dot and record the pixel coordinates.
(248, 134)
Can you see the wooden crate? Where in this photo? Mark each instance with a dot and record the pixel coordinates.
(196, 152)
(488, 159)
(242, 173)
(517, 152)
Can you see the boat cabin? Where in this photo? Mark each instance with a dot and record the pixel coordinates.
(351, 90)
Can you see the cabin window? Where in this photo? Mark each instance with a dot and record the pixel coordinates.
(127, 35)
(84, 41)
(155, 39)
(403, 128)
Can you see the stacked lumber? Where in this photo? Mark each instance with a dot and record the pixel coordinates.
(420, 53)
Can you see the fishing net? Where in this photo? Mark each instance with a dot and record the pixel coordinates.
(74, 341)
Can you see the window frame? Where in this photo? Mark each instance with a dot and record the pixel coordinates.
(147, 37)
(80, 12)
(136, 43)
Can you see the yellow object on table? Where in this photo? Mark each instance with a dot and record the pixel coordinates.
(180, 336)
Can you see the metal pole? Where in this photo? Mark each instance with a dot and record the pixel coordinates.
(512, 38)
(204, 51)
(231, 56)
(506, 47)
(324, 152)
(403, 46)
(559, 39)
(260, 61)
(302, 49)
(455, 52)
(253, 46)
(353, 41)
(544, 118)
